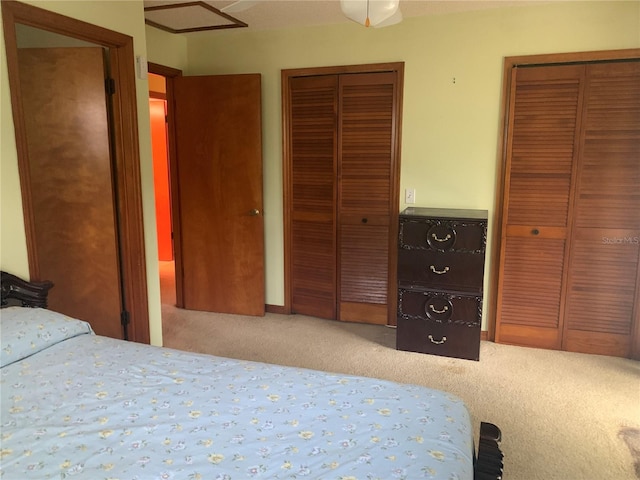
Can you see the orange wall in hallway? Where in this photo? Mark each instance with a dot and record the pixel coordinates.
(161, 178)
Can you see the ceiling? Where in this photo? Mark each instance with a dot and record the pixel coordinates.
(274, 14)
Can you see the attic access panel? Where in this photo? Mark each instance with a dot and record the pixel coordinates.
(188, 17)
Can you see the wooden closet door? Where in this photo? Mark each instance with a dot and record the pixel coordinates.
(366, 163)
(601, 308)
(313, 147)
(541, 153)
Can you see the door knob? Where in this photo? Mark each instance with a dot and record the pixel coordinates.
(255, 212)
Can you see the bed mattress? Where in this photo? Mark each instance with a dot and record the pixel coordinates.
(79, 405)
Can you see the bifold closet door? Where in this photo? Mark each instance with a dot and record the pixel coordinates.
(343, 170)
(365, 172)
(570, 236)
(602, 293)
(314, 110)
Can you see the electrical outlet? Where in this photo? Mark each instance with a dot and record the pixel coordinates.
(409, 195)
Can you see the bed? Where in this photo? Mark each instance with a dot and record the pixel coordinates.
(79, 405)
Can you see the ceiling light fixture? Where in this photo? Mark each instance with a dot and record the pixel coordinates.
(374, 13)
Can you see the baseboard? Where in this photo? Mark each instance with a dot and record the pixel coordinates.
(276, 309)
(484, 335)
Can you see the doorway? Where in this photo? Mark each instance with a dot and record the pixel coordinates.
(122, 192)
(215, 182)
(161, 179)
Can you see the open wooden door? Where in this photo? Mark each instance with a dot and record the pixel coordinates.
(71, 183)
(218, 222)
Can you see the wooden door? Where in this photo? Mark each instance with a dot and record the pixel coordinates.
(314, 110)
(220, 252)
(71, 182)
(601, 307)
(366, 166)
(541, 154)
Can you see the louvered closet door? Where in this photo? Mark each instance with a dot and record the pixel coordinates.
(540, 171)
(603, 270)
(314, 106)
(366, 163)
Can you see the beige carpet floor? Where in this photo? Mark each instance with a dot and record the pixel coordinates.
(564, 416)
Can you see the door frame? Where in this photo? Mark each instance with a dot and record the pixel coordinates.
(501, 170)
(125, 143)
(286, 75)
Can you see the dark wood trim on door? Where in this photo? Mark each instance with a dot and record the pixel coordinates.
(125, 143)
(169, 74)
(286, 75)
(501, 171)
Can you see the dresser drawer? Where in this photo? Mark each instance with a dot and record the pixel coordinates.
(443, 235)
(440, 307)
(446, 339)
(445, 270)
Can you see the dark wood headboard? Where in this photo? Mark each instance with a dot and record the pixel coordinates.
(16, 291)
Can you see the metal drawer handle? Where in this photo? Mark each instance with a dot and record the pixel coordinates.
(444, 339)
(439, 272)
(435, 237)
(445, 309)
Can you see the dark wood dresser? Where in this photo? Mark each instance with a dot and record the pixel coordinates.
(440, 274)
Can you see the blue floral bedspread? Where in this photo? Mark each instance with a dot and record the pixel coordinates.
(78, 405)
